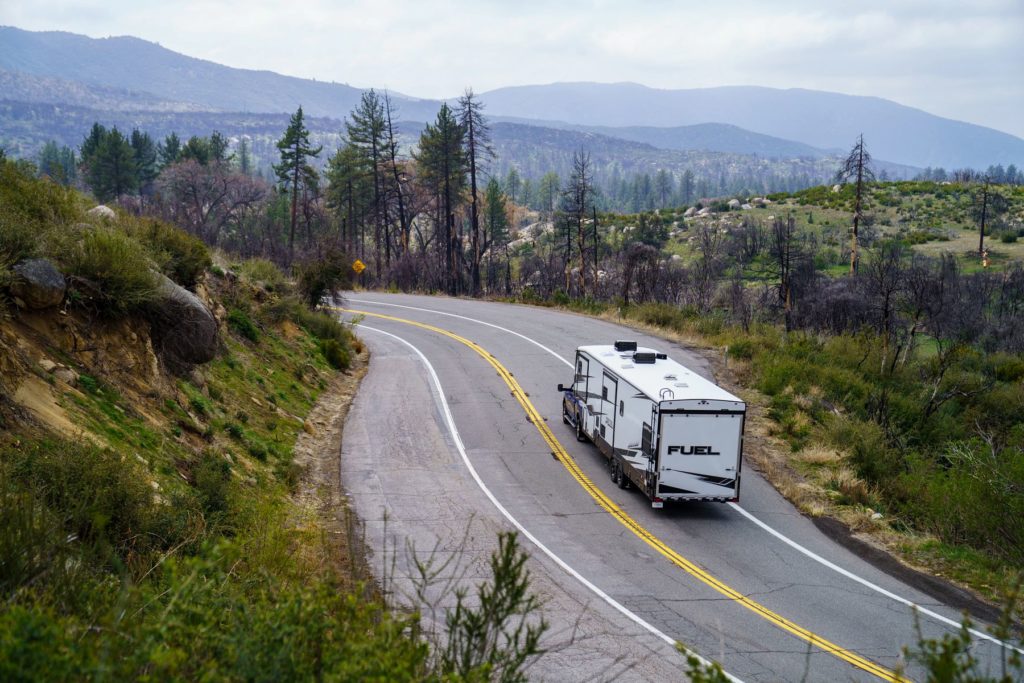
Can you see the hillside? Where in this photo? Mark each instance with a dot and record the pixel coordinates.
(131, 64)
(820, 119)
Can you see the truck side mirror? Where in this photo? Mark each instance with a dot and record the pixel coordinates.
(561, 388)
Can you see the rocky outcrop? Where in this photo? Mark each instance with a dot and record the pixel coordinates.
(37, 284)
(184, 330)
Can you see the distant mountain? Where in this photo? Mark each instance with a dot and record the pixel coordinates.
(131, 64)
(23, 87)
(131, 75)
(820, 119)
(712, 137)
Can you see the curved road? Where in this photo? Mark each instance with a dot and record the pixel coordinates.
(615, 603)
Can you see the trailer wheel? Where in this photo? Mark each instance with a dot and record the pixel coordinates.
(614, 471)
(622, 481)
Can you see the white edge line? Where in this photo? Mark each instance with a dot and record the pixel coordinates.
(785, 539)
(864, 582)
(443, 404)
(474, 320)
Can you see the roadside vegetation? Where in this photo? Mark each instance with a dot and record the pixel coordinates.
(150, 524)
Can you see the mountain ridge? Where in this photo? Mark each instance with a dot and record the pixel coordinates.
(820, 119)
(822, 122)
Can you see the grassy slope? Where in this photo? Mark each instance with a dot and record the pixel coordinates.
(148, 523)
(176, 548)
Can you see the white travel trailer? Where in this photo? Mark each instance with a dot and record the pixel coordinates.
(662, 427)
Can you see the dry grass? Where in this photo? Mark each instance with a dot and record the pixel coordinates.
(818, 455)
(853, 488)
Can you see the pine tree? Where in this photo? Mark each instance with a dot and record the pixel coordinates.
(57, 163)
(477, 137)
(366, 133)
(350, 195)
(169, 150)
(110, 165)
(577, 199)
(244, 156)
(294, 171)
(398, 178)
(497, 228)
(513, 183)
(442, 163)
(686, 186)
(145, 155)
(197, 149)
(91, 144)
(219, 148)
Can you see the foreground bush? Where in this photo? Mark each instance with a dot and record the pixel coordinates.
(179, 255)
(111, 272)
(104, 580)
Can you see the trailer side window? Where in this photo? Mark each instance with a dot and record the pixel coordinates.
(622, 408)
(604, 393)
(645, 441)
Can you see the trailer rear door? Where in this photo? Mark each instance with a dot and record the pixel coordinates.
(699, 449)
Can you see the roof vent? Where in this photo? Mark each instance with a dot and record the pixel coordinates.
(644, 357)
(625, 345)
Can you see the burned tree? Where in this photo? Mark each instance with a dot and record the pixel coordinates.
(855, 168)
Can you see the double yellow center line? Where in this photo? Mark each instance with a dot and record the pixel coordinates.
(646, 536)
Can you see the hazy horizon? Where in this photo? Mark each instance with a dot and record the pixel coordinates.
(953, 60)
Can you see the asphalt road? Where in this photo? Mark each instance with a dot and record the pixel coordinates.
(614, 603)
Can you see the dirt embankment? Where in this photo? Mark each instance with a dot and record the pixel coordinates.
(320, 494)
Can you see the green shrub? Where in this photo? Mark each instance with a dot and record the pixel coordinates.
(323, 277)
(1008, 237)
(240, 323)
(89, 383)
(742, 348)
(105, 501)
(180, 256)
(199, 405)
(660, 315)
(19, 239)
(212, 477)
(263, 272)
(38, 201)
(335, 354)
(109, 271)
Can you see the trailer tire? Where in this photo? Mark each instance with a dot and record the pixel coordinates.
(614, 467)
(622, 481)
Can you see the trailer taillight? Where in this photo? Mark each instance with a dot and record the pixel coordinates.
(657, 503)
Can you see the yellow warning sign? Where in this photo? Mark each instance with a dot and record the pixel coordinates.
(358, 266)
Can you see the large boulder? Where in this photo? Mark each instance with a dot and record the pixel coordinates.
(184, 330)
(38, 284)
(102, 211)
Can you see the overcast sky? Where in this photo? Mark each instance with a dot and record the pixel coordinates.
(963, 59)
